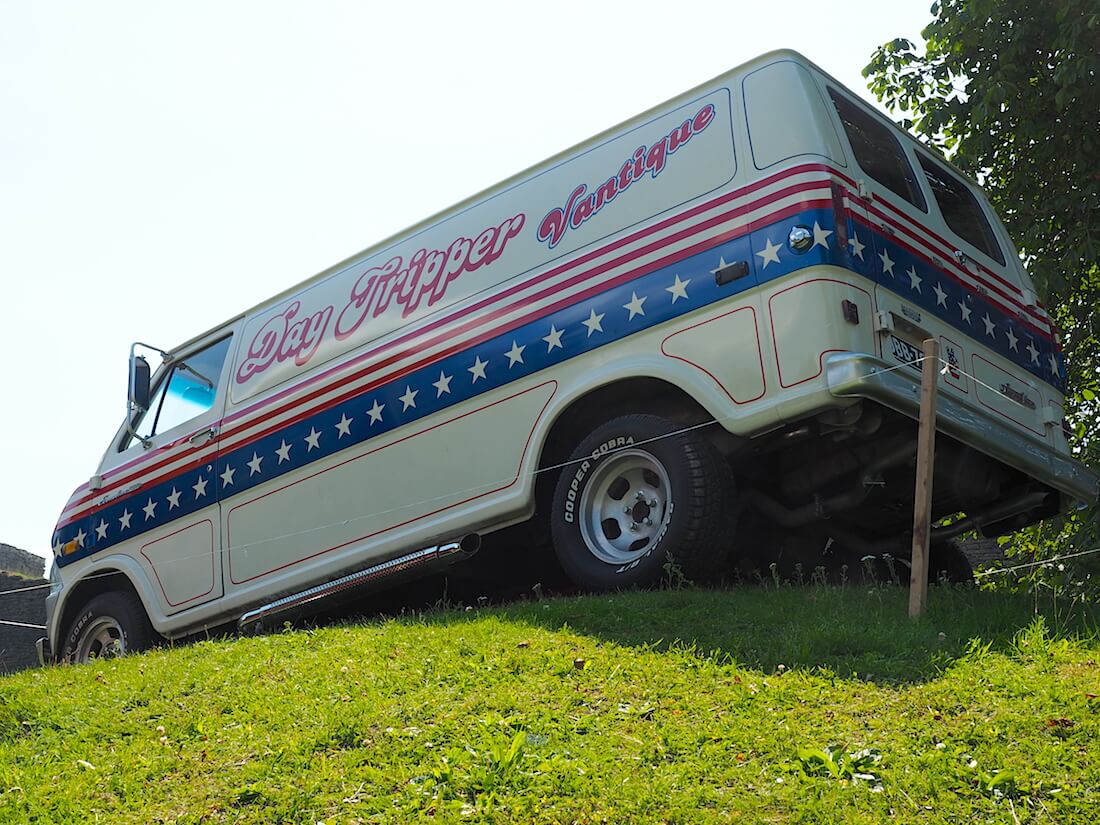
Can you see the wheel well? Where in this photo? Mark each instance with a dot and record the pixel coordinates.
(92, 585)
(630, 395)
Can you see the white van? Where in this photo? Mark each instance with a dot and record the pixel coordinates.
(699, 326)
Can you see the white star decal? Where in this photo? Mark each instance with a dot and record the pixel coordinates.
(594, 322)
(124, 520)
(478, 369)
(990, 327)
(443, 385)
(150, 509)
(821, 236)
(343, 426)
(1034, 353)
(227, 476)
(678, 288)
(408, 399)
(80, 536)
(1053, 364)
(375, 412)
(1012, 339)
(199, 487)
(769, 253)
(914, 279)
(313, 440)
(964, 308)
(174, 499)
(101, 530)
(283, 452)
(634, 307)
(887, 264)
(254, 465)
(941, 296)
(57, 548)
(515, 354)
(553, 339)
(857, 247)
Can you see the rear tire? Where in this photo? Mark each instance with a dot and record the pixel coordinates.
(110, 625)
(634, 492)
(948, 563)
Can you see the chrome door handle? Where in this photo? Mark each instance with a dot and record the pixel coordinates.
(203, 437)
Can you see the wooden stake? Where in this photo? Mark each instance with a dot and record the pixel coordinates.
(922, 499)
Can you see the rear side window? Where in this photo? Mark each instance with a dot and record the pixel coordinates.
(878, 151)
(961, 210)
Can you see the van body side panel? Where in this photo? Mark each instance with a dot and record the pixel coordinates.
(404, 396)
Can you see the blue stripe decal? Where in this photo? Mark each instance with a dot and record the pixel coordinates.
(646, 301)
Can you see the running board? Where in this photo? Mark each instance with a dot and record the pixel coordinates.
(420, 560)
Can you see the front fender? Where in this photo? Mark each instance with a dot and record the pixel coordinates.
(99, 573)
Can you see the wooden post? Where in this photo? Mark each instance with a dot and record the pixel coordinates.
(922, 499)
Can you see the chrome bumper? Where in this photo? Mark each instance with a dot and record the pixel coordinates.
(855, 375)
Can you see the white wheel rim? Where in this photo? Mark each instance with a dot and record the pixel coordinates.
(101, 639)
(625, 506)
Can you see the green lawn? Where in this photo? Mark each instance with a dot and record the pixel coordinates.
(676, 706)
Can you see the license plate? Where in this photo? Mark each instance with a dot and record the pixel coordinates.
(905, 353)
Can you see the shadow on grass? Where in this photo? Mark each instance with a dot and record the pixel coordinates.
(852, 632)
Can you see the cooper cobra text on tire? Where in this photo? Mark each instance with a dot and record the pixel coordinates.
(110, 624)
(636, 491)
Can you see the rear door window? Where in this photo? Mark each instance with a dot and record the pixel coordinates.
(961, 210)
(878, 151)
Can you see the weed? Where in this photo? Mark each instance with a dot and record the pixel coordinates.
(836, 762)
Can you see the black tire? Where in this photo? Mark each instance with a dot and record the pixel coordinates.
(116, 614)
(694, 526)
(948, 563)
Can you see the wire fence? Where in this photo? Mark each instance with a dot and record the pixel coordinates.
(485, 486)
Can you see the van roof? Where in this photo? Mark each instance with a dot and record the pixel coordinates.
(759, 60)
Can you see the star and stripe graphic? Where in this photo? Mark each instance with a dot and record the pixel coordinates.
(653, 290)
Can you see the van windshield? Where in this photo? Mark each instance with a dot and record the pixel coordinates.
(961, 210)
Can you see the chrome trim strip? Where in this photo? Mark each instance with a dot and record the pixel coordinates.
(322, 591)
(857, 375)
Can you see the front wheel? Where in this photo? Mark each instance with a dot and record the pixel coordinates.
(635, 493)
(109, 625)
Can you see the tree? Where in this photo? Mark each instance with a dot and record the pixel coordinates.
(1009, 91)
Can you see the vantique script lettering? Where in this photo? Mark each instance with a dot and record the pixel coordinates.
(422, 280)
(579, 207)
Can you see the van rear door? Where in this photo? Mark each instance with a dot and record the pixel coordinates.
(943, 268)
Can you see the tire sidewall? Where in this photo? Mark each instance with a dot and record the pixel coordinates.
(110, 606)
(641, 433)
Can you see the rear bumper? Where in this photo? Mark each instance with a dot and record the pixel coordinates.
(855, 375)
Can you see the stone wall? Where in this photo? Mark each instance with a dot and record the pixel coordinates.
(14, 560)
(17, 643)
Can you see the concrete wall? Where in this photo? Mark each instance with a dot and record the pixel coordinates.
(14, 560)
(17, 643)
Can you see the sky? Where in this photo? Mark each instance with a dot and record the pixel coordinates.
(165, 166)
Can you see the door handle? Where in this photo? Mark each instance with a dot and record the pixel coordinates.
(203, 436)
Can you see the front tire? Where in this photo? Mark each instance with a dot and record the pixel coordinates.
(636, 490)
(109, 625)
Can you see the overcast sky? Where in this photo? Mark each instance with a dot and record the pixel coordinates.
(164, 166)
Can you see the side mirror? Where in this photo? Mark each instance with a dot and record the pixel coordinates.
(139, 382)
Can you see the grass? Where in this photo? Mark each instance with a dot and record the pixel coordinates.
(804, 705)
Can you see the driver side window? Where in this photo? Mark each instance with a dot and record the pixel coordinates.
(188, 389)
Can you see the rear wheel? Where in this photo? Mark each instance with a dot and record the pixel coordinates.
(635, 492)
(109, 625)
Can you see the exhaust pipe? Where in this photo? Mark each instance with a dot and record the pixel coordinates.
(420, 561)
